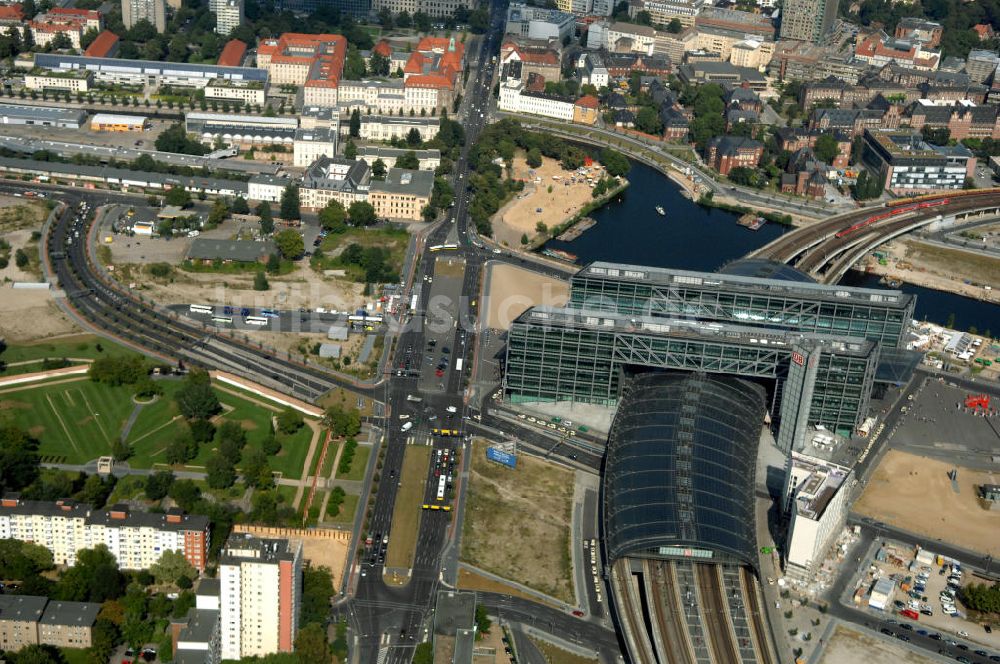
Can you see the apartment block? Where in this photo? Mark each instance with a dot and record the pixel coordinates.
(261, 594)
(228, 17)
(403, 194)
(808, 20)
(73, 23)
(136, 539)
(154, 11)
(29, 620)
(333, 178)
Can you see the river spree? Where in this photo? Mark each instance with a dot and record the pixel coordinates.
(691, 237)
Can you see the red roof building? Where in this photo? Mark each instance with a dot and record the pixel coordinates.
(383, 48)
(232, 54)
(984, 31)
(11, 14)
(105, 46)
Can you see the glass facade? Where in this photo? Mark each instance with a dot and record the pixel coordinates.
(776, 302)
(679, 475)
(580, 355)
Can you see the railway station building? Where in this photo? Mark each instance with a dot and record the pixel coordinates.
(823, 347)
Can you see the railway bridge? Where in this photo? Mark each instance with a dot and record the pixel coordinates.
(827, 249)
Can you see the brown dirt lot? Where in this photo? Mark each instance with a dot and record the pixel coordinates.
(914, 493)
(27, 315)
(521, 215)
(509, 508)
(849, 647)
(469, 580)
(513, 290)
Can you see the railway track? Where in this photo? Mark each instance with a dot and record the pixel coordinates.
(631, 612)
(666, 606)
(715, 616)
(760, 633)
(143, 326)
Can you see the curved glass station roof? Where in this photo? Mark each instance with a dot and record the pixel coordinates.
(763, 268)
(681, 458)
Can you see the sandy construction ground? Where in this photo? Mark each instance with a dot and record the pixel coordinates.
(27, 315)
(521, 215)
(942, 268)
(849, 647)
(914, 493)
(534, 502)
(514, 289)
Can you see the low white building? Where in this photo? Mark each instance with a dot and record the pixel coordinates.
(429, 160)
(268, 188)
(248, 92)
(816, 497)
(882, 593)
(70, 81)
(311, 144)
(514, 99)
(387, 127)
(539, 22)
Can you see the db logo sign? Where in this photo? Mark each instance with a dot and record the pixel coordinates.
(798, 359)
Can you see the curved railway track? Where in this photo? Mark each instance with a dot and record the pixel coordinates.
(715, 616)
(631, 612)
(123, 316)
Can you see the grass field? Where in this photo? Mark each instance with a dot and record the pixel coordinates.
(555, 655)
(74, 421)
(331, 454)
(395, 241)
(347, 510)
(347, 399)
(358, 464)
(82, 346)
(406, 512)
(75, 655)
(535, 501)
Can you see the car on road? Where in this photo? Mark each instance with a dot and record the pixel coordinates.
(578, 613)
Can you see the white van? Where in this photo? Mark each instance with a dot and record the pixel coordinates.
(407, 426)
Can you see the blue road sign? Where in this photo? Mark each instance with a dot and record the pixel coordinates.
(506, 458)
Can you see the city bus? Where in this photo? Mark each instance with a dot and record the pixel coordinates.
(443, 247)
(442, 484)
(224, 320)
(200, 309)
(269, 313)
(255, 320)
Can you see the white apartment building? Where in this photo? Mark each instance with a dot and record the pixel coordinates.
(61, 81)
(311, 144)
(664, 11)
(429, 160)
(629, 38)
(816, 499)
(154, 11)
(514, 99)
(228, 16)
(136, 539)
(260, 595)
(387, 127)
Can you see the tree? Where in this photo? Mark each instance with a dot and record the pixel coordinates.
(333, 217)
(158, 484)
(290, 242)
(936, 135)
(103, 639)
(196, 399)
(355, 124)
(343, 422)
(350, 150)
(177, 196)
(290, 203)
(378, 169)
(266, 220)
(403, 19)
(354, 64)
(221, 473)
(868, 186)
(675, 26)
(361, 213)
(273, 264)
(240, 206)
(18, 459)
(524, 238)
(483, 623)
(826, 149)
(534, 158)
(614, 162)
(170, 566)
(289, 421)
(311, 645)
(94, 577)
(408, 160)
(413, 138)
(379, 64)
(37, 653)
(647, 120)
(256, 471)
(260, 282)
(175, 139)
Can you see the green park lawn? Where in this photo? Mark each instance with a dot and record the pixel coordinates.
(82, 346)
(358, 464)
(76, 422)
(347, 509)
(73, 421)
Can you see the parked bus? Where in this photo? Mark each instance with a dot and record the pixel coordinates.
(442, 484)
(269, 313)
(224, 320)
(200, 309)
(458, 364)
(443, 247)
(255, 320)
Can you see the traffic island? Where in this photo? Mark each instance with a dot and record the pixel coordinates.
(406, 515)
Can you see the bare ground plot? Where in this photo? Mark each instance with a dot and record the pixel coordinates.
(509, 508)
(326, 552)
(555, 655)
(847, 646)
(941, 268)
(17, 214)
(521, 215)
(27, 315)
(514, 289)
(914, 493)
(407, 510)
(301, 288)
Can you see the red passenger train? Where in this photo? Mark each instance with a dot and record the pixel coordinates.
(891, 213)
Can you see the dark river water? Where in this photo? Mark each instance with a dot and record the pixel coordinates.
(692, 237)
